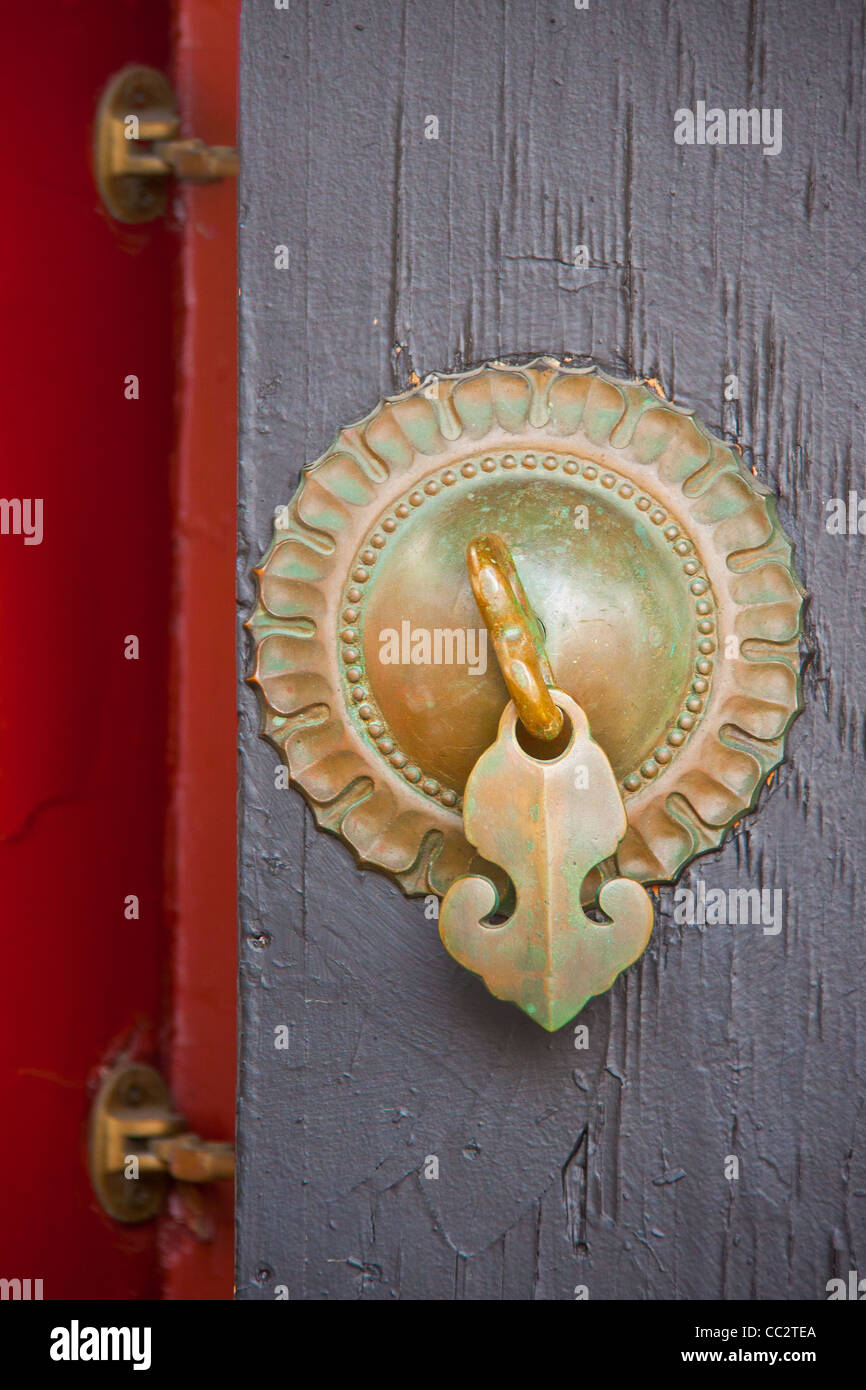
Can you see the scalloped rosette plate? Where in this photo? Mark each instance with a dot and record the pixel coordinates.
(653, 558)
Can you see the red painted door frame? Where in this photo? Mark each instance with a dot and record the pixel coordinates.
(116, 775)
(202, 826)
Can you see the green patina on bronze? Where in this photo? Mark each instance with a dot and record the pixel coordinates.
(652, 556)
(549, 958)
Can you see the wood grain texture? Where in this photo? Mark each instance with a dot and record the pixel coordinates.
(559, 1167)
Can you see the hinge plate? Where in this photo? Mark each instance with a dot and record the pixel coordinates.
(139, 1145)
(136, 150)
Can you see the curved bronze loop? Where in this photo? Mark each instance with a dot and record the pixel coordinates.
(516, 633)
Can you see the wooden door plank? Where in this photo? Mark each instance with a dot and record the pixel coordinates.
(560, 1168)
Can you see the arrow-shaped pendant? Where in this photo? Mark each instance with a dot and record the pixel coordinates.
(548, 821)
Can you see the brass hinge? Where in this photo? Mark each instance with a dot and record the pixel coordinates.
(137, 152)
(138, 1145)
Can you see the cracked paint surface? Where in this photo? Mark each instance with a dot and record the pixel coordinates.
(558, 1166)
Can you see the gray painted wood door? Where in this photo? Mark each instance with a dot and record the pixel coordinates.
(418, 244)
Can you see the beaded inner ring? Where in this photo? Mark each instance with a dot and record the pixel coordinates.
(654, 560)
